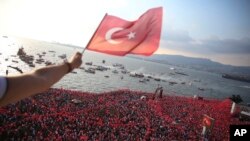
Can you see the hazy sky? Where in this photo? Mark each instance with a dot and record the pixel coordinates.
(214, 29)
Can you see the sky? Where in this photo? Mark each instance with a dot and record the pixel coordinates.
(215, 29)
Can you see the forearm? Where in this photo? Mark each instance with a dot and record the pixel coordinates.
(23, 86)
(52, 74)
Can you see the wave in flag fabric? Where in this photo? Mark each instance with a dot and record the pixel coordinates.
(120, 37)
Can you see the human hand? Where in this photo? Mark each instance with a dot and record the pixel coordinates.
(76, 60)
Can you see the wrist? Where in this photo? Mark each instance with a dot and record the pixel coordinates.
(70, 68)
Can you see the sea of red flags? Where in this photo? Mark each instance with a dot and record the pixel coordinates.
(117, 115)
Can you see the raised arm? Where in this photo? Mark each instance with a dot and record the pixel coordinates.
(39, 80)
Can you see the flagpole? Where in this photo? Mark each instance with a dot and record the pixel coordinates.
(94, 33)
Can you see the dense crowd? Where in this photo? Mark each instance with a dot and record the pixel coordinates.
(117, 115)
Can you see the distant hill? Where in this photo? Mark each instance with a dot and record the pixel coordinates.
(197, 63)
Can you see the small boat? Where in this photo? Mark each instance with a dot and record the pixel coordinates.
(101, 68)
(181, 73)
(138, 75)
(63, 56)
(115, 71)
(89, 63)
(118, 65)
(40, 60)
(82, 68)
(124, 71)
(47, 63)
(14, 61)
(157, 79)
(90, 70)
(201, 89)
(32, 65)
(150, 77)
(74, 72)
(106, 76)
(172, 83)
(163, 80)
(142, 81)
(16, 68)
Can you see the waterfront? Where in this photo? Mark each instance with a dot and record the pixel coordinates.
(196, 82)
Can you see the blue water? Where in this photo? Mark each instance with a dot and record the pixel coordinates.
(213, 84)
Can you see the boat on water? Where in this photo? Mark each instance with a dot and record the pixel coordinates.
(237, 77)
(171, 68)
(82, 68)
(117, 65)
(183, 83)
(157, 79)
(172, 83)
(115, 71)
(89, 63)
(163, 80)
(138, 75)
(101, 68)
(63, 56)
(90, 70)
(14, 61)
(142, 81)
(31, 65)
(201, 89)
(16, 68)
(124, 71)
(150, 77)
(181, 73)
(47, 63)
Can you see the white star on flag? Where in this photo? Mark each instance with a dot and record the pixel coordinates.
(131, 35)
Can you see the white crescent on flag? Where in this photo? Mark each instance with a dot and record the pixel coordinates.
(108, 35)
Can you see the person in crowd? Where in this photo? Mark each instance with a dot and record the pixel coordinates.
(7, 72)
(15, 88)
(159, 89)
(161, 92)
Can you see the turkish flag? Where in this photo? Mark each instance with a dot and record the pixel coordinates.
(207, 121)
(120, 37)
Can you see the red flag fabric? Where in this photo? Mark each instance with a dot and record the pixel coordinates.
(207, 121)
(120, 37)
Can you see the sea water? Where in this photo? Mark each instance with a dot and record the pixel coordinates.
(201, 83)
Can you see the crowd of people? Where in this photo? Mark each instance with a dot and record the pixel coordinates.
(59, 114)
